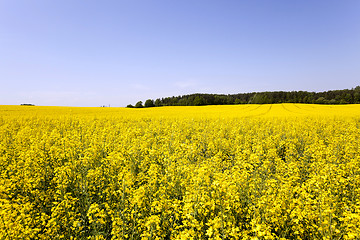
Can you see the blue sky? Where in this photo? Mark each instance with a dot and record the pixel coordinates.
(92, 53)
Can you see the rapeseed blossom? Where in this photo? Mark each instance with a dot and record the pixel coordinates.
(283, 171)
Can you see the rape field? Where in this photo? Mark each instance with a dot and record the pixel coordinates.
(283, 171)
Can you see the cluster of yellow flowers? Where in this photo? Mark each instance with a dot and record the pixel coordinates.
(283, 171)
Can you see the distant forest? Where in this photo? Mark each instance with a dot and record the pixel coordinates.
(346, 96)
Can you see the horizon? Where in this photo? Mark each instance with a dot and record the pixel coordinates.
(161, 98)
(64, 53)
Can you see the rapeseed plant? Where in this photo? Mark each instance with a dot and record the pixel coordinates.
(284, 171)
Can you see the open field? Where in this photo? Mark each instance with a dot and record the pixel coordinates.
(186, 112)
(282, 171)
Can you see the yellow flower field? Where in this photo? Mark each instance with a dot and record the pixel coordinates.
(282, 171)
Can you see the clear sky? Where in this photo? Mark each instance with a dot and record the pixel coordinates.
(93, 53)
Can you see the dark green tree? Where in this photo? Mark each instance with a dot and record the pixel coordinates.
(357, 97)
(157, 102)
(198, 101)
(348, 98)
(149, 103)
(333, 101)
(320, 100)
(139, 104)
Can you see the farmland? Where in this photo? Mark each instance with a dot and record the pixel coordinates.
(280, 171)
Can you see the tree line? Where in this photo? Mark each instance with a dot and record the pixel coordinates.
(346, 96)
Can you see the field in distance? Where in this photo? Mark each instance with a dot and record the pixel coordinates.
(223, 111)
(280, 171)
